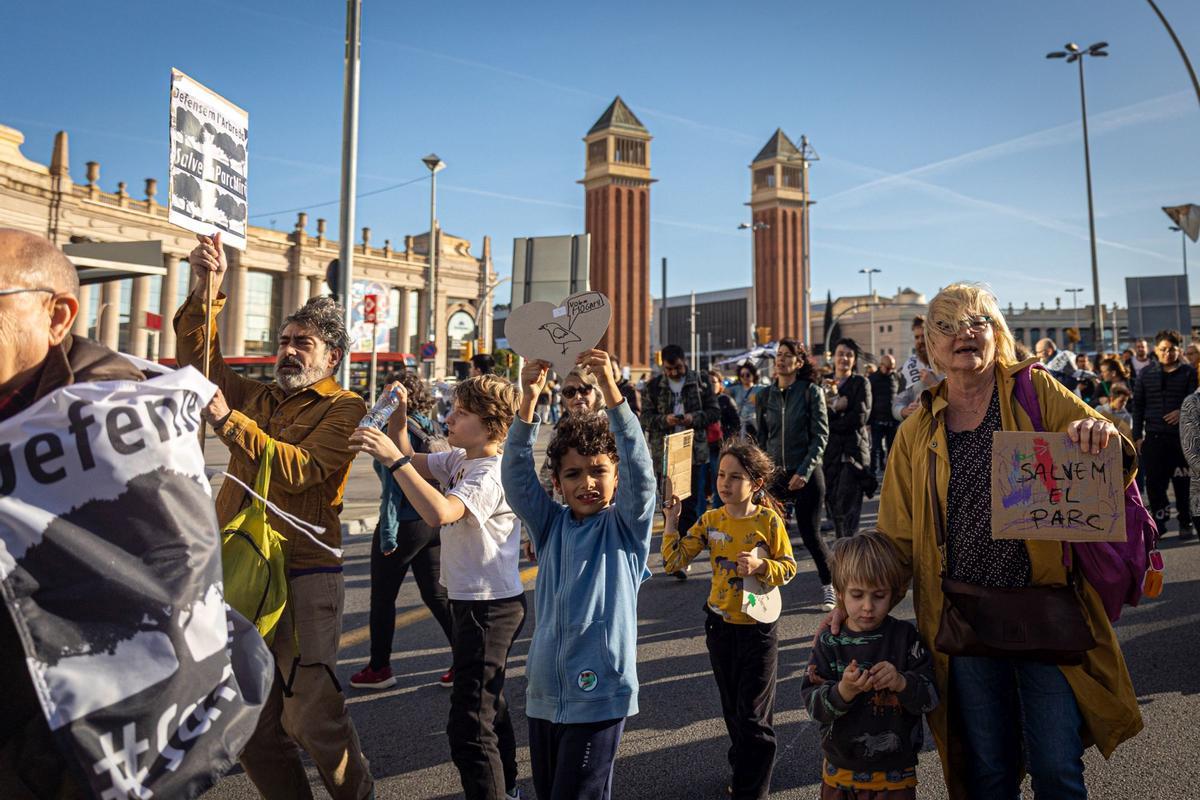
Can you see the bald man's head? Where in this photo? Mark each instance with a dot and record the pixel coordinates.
(28, 260)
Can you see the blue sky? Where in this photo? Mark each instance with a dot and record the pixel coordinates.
(950, 147)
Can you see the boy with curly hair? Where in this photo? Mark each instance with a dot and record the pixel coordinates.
(582, 664)
(480, 556)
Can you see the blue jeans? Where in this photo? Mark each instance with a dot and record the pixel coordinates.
(1013, 711)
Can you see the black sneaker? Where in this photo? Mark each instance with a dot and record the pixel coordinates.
(1186, 532)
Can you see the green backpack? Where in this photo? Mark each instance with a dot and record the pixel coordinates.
(252, 557)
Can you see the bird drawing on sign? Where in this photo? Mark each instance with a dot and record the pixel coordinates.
(560, 335)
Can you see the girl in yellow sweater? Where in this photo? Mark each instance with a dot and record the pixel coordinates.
(745, 537)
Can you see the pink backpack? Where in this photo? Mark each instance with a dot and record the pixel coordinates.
(1118, 571)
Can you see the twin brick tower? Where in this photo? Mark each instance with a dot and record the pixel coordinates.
(617, 212)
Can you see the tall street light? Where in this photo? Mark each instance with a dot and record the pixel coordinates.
(435, 165)
(870, 273)
(349, 167)
(753, 227)
(1075, 310)
(1073, 54)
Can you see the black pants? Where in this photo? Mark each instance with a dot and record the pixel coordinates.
(845, 496)
(573, 761)
(417, 545)
(745, 659)
(482, 744)
(1162, 458)
(807, 506)
(882, 436)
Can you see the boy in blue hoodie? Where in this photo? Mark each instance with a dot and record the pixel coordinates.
(582, 663)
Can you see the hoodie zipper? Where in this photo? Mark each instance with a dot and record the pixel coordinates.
(560, 596)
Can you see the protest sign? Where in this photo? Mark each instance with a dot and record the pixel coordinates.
(760, 602)
(110, 569)
(209, 137)
(558, 334)
(677, 466)
(1045, 487)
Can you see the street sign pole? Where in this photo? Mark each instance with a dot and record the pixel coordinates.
(374, 360)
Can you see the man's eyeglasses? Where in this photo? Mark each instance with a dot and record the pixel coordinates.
(975, 324)
(4, 292)
(571, 391)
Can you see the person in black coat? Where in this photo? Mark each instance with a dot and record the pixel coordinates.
(885, 384)
(1158, 396)
(848, 455)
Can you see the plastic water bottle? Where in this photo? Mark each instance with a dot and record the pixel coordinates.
(378, 416)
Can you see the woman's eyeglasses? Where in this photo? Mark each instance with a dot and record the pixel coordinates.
(571, 391)
(975, 324)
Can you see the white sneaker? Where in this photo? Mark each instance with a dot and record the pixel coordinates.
(516, 794)
(828, 598)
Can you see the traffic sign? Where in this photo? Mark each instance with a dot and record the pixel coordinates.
(428, 351)
(370, 303)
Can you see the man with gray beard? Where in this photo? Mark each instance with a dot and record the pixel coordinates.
(309, 417)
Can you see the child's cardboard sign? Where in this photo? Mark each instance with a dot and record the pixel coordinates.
(677, 466)
(1045, 487)
(558, 334)
(760, 602)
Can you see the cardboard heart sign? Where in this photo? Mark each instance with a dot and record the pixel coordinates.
(760, 603)
(558, 334)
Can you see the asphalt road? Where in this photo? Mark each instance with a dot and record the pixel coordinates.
(676, 747)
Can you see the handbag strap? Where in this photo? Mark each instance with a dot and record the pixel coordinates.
(935, 505)
(263, 481)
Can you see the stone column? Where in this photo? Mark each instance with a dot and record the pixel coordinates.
(299, 293)
(440, 366)
(168, 303)
(315, 286)
(139, 302)
(402, 320)
(80, 326)
(109, 314)
(235, 311)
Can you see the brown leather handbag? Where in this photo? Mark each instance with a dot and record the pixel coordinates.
(1034, 623)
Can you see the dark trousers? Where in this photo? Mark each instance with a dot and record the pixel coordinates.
(882, 436)
(419, 546)
(574, 761)
(482, 744)
(1017, 716)
(807, 507)
(745, 659)
(845, 497)
(1162, 458)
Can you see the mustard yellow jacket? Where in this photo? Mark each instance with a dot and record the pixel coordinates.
(1101, 684)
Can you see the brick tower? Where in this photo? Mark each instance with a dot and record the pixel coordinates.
(778, 197)
(617, 211)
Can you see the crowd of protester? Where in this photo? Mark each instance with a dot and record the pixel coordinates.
(775, 448)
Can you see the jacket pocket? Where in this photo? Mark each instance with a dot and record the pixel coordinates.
(591, 672)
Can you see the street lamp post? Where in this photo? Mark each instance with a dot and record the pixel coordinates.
(1072, 54)
(435, 165)
(870, 273)
(349, 167)
(1075, 308)
(753, 227)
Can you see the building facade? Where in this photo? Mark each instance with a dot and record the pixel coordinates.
(617, 215)
(722, 319)
(854, 316)
(276, 274)
(778, 203)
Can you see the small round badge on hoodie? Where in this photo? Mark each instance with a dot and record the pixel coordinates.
(587, 680)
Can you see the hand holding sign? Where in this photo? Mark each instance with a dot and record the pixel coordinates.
(207, 258)
(1058, 486)
(559, 334)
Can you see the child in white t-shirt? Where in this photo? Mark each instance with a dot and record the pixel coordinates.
(481, 543)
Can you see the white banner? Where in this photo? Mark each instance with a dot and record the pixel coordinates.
(110, 567)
